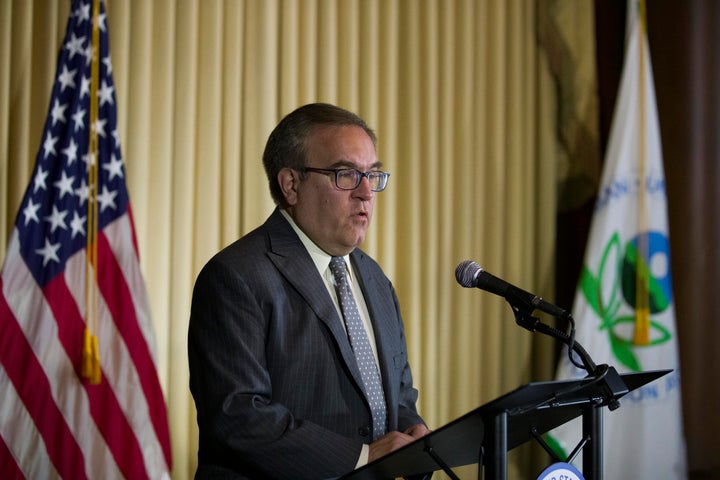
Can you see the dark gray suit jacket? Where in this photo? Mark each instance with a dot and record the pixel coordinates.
(275, 383)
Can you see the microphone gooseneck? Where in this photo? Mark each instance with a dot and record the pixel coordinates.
(471, 275)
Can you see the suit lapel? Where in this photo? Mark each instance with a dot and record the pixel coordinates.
(293, 262)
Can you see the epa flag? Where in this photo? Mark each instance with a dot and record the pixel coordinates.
(624, 305)
(78, 382)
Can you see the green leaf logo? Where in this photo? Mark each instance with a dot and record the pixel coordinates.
(615, 285)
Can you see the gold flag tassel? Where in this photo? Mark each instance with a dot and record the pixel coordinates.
(91, 369)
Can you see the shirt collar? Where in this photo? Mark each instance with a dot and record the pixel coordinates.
(320, 257)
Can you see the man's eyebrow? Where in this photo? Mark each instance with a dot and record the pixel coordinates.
(346, 163)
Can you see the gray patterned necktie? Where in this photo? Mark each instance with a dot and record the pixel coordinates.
(361, 347)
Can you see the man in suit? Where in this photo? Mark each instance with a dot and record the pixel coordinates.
(278, 389)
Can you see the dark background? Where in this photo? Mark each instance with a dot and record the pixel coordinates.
(684, 40)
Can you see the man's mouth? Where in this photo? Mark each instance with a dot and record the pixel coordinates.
(362, 215)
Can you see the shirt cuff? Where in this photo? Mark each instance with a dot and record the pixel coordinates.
(364, 456)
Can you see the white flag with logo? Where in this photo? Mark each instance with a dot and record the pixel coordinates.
(624, 307)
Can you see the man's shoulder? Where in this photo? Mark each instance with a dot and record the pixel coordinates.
(241, 252)
(253, 243)
(258, 240)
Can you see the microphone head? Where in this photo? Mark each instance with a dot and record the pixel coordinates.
(466, 273)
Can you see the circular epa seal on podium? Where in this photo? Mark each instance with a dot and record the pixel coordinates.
(561, 471)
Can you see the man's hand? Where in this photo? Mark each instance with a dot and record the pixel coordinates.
(417, 431)
(391, 441)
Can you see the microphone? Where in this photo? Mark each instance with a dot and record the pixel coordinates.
(469, 274)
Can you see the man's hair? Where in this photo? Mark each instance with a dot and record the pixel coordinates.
(286, 146)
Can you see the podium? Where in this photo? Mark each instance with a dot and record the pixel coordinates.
(485, 435)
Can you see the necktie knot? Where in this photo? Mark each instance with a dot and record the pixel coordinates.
(338, 268)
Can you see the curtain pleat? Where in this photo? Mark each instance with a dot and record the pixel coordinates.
(457, 91)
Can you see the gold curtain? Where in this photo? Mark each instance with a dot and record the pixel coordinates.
(464, 105)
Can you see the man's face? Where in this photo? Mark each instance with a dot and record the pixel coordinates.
(336, 220)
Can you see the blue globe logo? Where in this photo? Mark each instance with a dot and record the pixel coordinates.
(655, 270)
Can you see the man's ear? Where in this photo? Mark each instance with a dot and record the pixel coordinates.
(288, 180)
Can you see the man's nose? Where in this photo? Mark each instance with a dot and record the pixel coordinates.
(363, 190)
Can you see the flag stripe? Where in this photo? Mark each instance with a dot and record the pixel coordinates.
(115, 429)
(119, 371)
(119, 302)
(8, 466)
(103, 404)
(33, 388)
(119, 234)
(14, 418)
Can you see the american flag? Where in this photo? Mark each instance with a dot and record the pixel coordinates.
(55, 422)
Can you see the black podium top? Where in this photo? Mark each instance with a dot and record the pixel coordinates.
(539, 406)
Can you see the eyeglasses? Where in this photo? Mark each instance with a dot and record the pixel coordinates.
(350, 178)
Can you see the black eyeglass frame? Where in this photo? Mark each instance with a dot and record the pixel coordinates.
(381, 176)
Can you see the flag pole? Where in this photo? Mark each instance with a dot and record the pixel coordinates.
(642, 273)
(91, 352)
